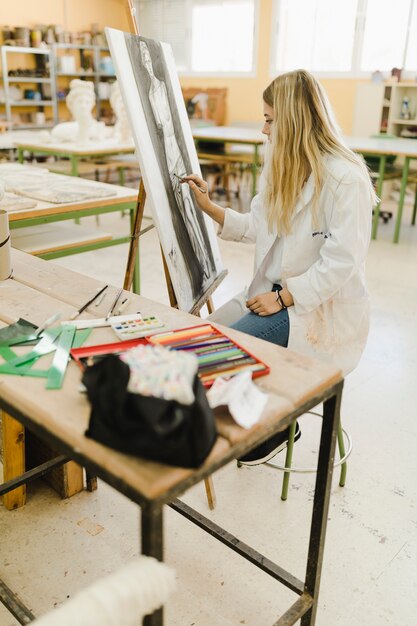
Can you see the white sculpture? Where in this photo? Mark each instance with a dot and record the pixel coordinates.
(122, 130)
(80, 102)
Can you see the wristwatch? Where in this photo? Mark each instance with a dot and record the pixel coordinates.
(279, 299)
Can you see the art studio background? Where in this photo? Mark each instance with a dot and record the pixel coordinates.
(364, 54)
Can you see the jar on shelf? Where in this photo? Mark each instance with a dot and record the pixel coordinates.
(405, 109)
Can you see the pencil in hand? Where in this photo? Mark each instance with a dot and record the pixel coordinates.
(184, 180)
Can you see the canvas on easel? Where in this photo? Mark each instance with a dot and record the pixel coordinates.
(165, 148)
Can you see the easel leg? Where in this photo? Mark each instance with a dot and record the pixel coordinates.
(132, 261)
(13, 459)
(211, 494)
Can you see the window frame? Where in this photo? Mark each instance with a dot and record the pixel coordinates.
(355, 72)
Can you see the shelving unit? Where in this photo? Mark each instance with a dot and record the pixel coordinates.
(396, 124)
(378, 108)
(80, 55)
(55, 82)
(39, 82)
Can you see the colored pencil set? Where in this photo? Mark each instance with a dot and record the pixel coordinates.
(217, 354)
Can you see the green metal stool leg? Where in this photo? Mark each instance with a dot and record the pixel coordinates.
(288, 461)
(413, 220)
(404, 179)
(342, 452)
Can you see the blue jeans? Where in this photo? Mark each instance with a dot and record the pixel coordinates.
(274, 328)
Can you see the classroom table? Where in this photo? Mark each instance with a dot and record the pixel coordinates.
(93, 150)
(382, 147)
(295, 385)
(236, 135)
(124, 199)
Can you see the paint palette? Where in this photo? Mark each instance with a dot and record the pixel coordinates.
(136, 327)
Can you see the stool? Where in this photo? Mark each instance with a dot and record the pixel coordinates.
(287, 468)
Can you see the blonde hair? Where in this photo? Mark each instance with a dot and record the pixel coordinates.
(302, 133)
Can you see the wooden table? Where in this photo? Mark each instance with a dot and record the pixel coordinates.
(232, 135)
(382, 147)
(296, 384)
(75, 153)
(124, 199)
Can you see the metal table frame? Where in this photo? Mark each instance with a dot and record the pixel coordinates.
(305, 607)
(86, 212)
(74, 156)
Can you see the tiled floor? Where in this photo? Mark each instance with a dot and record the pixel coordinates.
(50, 548)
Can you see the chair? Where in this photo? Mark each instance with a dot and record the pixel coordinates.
(287, 467)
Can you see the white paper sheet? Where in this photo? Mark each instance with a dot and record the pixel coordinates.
(243, 398)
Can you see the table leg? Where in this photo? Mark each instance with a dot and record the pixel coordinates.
(331, 417)
(152, 545)
(74, 165)
(381, 174)
(13, 459)
(404, 179)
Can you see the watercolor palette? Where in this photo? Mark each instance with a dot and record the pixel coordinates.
(135, 328)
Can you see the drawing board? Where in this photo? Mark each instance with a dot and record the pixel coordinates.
(165, 148)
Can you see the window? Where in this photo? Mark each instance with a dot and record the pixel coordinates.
(315, 35)
(207, 36)
(385, 34)
(353, 37)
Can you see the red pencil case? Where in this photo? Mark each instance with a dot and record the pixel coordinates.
(186, 338)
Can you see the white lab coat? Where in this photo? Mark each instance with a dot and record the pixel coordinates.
(323, 265)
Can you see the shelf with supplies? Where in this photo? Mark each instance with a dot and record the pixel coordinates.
(25, 79)
(385, 108)
(40, 86)
(49, 74)
(409, 122)
(87, 62)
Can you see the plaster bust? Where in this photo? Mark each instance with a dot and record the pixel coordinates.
(80, 102)
(122, 130)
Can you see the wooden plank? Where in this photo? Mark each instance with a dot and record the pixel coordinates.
(13, 459)
(73, 479)
(66, 480)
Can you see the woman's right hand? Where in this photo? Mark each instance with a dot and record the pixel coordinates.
(199, 187)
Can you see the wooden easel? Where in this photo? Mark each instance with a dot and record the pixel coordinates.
(205, 299)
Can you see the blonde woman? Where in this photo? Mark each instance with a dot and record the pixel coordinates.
(311, 223)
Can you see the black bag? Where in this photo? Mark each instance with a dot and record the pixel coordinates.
(153, 428)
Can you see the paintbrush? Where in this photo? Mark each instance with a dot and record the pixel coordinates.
(113, 306)
(184, 180)
(84, 306)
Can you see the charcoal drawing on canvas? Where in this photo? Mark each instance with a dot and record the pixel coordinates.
(150, 87)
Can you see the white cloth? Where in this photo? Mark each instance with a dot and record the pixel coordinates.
(119, 599)
(323, 267)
